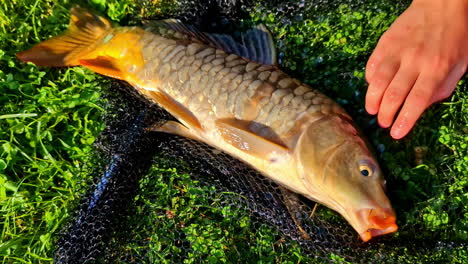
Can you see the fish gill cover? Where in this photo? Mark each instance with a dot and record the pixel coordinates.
(163, 198)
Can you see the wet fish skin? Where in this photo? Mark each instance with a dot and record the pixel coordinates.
(292, 134)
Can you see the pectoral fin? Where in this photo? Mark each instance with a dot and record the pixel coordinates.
(291, 200)
(235, 133)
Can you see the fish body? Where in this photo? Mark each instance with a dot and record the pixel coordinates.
(237, 102)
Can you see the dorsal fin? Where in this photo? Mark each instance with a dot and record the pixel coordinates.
(255, 44)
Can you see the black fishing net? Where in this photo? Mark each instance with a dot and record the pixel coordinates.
(107, 225)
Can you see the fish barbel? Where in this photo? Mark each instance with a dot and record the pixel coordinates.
(231, 95)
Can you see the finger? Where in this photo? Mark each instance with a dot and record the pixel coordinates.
(380, 81)
(382, 51)
(450, 82)
(374, 60)
(395, 95)
(417, 101)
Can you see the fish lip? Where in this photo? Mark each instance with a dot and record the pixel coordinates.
(377, 222)
(370, 233)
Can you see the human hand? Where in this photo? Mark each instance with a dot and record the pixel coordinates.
(417, 62)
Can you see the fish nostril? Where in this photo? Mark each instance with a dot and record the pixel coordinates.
(384, 185)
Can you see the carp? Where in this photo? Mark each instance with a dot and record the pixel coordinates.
(229, 93)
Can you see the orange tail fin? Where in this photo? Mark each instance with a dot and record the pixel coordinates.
(85, 32)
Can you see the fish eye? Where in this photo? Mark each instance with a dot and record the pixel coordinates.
(365, 170)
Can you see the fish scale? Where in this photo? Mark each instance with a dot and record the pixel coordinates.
(196, 61)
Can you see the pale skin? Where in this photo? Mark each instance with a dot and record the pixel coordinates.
(418, 61)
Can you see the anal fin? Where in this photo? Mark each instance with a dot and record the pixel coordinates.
(104, 65)
(175, 128)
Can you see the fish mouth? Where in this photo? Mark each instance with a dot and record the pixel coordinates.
(380, 221)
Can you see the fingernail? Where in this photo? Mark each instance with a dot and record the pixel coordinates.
(371, 111)
(383, 124)
(397, 131)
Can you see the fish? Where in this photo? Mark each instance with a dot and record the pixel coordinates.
(231, 94)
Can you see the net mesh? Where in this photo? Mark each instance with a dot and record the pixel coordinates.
(138, 185)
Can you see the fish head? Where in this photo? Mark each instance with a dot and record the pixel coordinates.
(338, 170)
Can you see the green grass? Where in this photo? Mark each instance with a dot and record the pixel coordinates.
(48, 122)
(49, 119)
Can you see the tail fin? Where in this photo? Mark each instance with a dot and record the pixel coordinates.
(83, 34)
